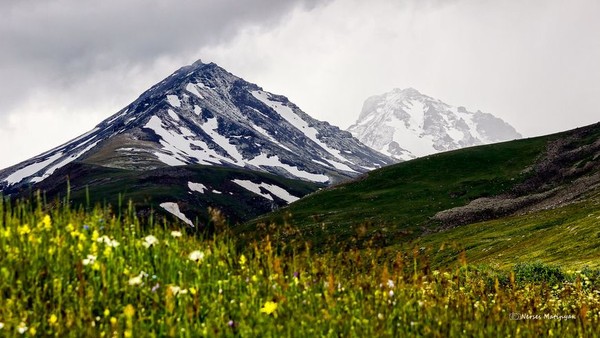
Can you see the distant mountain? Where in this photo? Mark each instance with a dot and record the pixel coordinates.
(406, 124)
(204, 115)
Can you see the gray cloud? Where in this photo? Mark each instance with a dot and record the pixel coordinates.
(60, 42)
(65, 65)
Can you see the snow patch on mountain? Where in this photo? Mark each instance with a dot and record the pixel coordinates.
(173, 208)
(63, 163)
(264, 160)
(211, 127)
(271, 188)
(30, 170)
(174, 101)
(288, 114)
(198, 187)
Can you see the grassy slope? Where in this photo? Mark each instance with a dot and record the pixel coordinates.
(392, 208)
(395, 203)
(568, 236)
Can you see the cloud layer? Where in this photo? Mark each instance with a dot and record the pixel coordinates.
(68, 64)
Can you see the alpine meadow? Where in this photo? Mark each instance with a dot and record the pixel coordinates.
(329, 168)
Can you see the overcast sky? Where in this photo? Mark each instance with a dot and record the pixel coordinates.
(67, 65)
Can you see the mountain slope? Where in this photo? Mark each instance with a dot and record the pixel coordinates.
(183, 192)
(406, 124)
(202, 114)
(402, 202)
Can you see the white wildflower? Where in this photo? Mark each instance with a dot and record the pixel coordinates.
(22, 328)
(176, 290)
(196, 256)
(390, 284)
(89, 260)
(137, 280)
(176, 234)
(150, 241)
(108, 241)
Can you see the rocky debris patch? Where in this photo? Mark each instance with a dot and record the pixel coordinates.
(568, 171)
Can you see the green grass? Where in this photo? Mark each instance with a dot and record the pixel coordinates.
(63, 275)
(568, 236)
(394, 204)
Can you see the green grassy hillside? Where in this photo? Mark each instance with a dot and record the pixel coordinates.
(567, 236)
(401, 203)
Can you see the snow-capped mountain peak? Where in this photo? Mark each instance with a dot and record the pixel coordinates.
(202, 114)
(405, 124)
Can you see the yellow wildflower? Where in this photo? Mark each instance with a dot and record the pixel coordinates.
(53, 319)
(107, 251)
(23, 230)
(269, 307)
(129, 311)
(46, 223)
(113, 320)
(32, 331)
(243, 260)
(106, 312)
(33, 240)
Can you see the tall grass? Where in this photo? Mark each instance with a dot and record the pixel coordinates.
(66, 272)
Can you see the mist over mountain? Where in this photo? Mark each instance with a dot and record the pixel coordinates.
(406, 124)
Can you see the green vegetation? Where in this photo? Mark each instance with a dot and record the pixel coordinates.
(568, 236)
(394, 204)
(429, 200)
(91, 184)
(68, 272)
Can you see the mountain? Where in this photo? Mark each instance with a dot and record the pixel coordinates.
(538, 198)
(406, 124)
(184, 193)
(204, 115)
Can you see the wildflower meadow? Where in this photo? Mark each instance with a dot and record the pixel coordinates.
(68, 272)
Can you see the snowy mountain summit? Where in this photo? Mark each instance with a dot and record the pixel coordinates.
(406, 124)
(202, 114)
